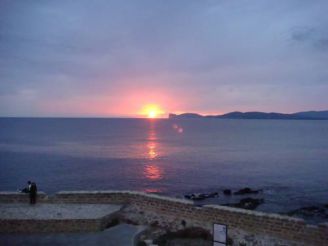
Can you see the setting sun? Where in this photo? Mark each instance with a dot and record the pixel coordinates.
(152, 114)
(152, 111)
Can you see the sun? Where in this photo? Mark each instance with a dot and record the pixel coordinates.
(152, 111)
(152, 114)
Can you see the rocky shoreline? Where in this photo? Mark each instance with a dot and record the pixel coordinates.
(252, 199)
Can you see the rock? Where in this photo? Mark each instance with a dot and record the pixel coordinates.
(227, 192)
(250, 203)
(211, 195)
(247, 203)
(201, 196)
(246, 191)
(196, 196)
(313, 209)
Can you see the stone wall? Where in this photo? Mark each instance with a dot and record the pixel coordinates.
(175, 214)
(170, 212)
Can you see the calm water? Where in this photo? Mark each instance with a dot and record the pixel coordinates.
(287, 159)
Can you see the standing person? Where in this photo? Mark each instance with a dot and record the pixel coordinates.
(33, 193)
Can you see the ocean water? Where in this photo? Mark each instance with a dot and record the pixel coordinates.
(287, 159)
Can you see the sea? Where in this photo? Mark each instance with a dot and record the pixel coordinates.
(286, 159)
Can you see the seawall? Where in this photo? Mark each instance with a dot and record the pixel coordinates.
(175, 214)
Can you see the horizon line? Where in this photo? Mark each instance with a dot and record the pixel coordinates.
(139, 117)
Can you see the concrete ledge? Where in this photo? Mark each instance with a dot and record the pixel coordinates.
(44, 217)
(13, 197)
(115, 193)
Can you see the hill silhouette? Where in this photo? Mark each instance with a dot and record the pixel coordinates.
(307, 115)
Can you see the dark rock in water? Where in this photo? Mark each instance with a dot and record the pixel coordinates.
(250, 203)
(227, 192)
(246, 191)
(196, 197)
(201, 196)
(311, 211)
(247, 203)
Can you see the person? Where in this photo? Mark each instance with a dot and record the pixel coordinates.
(33, 193)
(28, 188)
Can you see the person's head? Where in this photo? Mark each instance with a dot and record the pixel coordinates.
(29, 182)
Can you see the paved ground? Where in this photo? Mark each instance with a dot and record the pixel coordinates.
(56, 211)
(120, 235)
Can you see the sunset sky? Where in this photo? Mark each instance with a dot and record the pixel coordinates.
(113, 58)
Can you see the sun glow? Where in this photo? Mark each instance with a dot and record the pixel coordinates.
(152, 111)
(152, 114)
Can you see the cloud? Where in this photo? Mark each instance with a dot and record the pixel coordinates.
(313, 36)
(206, 54)
(303, 34)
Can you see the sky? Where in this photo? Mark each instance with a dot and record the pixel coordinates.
(113, 58)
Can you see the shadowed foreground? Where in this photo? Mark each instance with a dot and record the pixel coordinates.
(122, 234)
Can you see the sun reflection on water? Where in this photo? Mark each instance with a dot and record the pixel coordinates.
(152, 190)
(152, 151)
(152, 154)
(152, 171)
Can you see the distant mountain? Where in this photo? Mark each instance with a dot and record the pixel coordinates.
(314, 114)
(310, 115)
(258, 115)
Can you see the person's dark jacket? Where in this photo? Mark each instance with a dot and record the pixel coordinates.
(33, 189)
